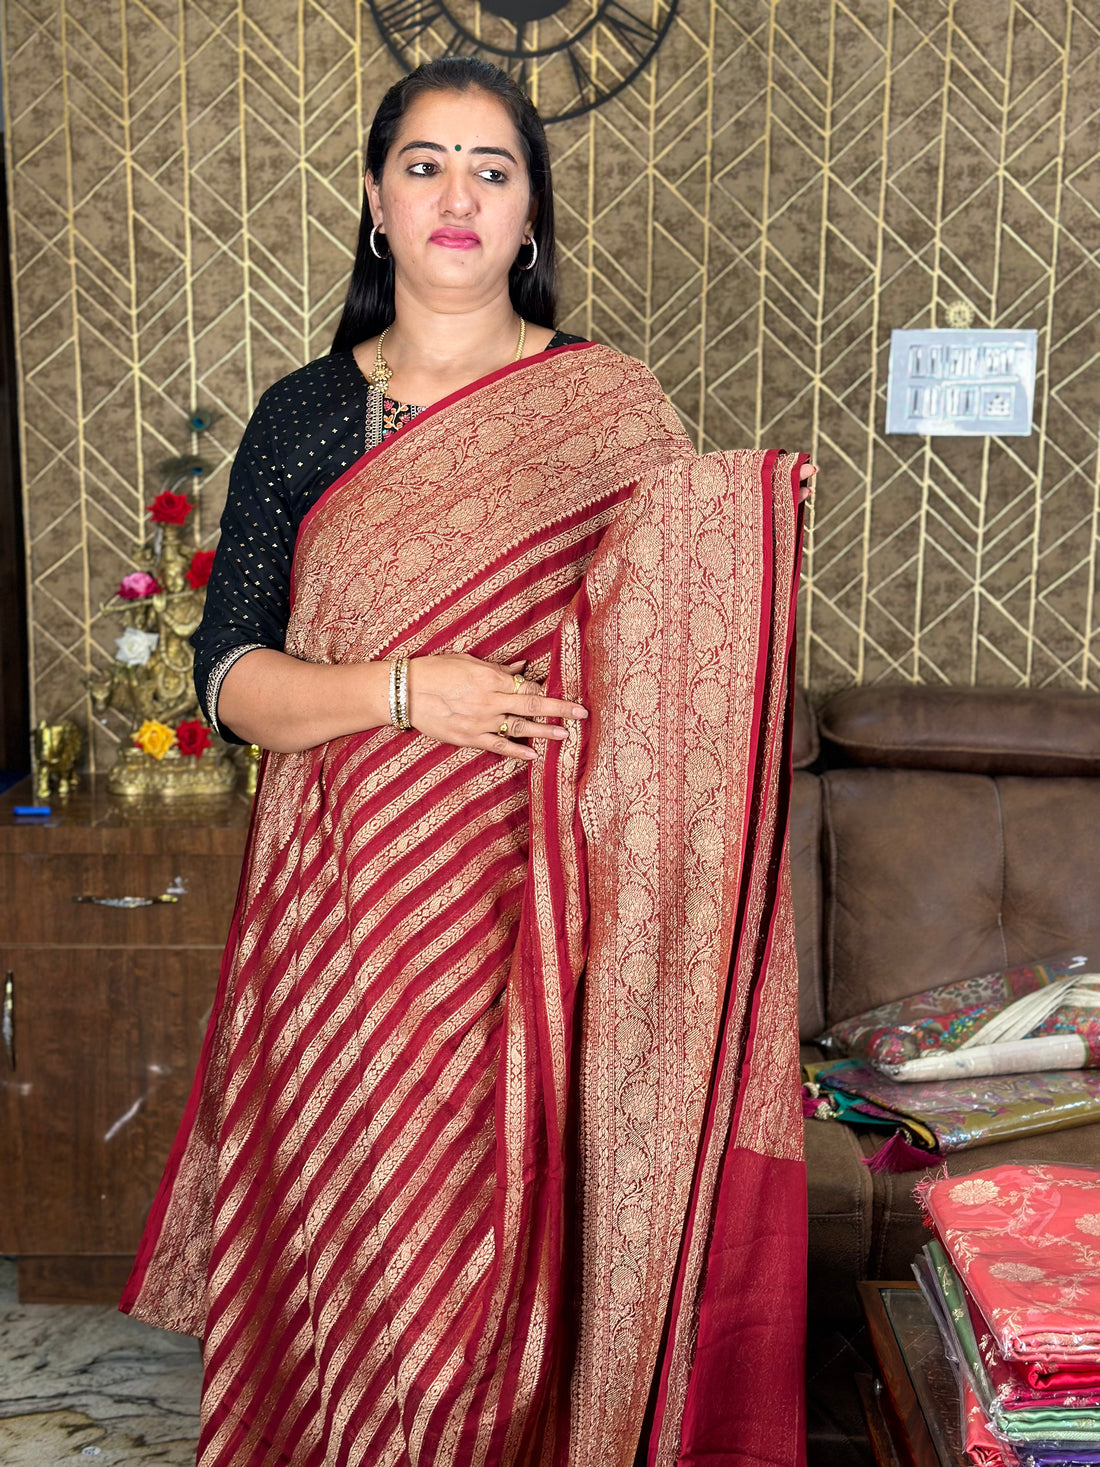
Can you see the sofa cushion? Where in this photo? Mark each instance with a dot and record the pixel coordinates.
(899, 1231)
(913, 882)
(975, 730)
(930, 877)
(805, 847)
(840, 1192)
(1052, 866)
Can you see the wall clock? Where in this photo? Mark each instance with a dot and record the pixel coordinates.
(570, 55)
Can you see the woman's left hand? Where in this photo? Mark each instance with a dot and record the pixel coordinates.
(806, 482)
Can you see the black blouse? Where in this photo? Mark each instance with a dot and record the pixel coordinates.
(305, 432)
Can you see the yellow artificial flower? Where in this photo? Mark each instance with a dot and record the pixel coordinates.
(155, 738)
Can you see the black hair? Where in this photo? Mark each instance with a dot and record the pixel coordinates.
(368, 307)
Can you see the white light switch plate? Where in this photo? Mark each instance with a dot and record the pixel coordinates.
(961, 382)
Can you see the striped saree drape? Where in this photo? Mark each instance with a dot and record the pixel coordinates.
(494, 1152)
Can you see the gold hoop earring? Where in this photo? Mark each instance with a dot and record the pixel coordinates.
(534, 253)
(374, 248)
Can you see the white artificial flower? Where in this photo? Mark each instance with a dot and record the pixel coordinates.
(135, 647)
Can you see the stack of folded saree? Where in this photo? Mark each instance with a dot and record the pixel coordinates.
(981, 1059)
(1013, 1278)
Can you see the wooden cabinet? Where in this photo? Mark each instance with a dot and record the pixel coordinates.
(105, 1008)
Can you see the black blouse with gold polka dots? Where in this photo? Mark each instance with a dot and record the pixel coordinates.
(305, 432)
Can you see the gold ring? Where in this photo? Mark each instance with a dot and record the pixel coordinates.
(503, 729)
(517, 682)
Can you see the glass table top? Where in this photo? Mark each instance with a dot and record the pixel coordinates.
(932, 1377)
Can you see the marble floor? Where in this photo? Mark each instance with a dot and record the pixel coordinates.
(84, 1383)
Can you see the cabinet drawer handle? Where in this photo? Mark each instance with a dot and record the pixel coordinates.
(7, 1024)
(176, 889)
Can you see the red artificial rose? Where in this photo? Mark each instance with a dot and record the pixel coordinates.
(192, 736)
(202, 563)
(170, 509)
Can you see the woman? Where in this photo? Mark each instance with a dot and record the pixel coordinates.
(493, 1156)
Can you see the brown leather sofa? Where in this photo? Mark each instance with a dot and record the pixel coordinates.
(935, 833)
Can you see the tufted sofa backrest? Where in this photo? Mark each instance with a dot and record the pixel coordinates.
(946, 832)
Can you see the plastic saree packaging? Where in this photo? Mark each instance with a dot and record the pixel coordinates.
(933, 1119)
(1024, 1241)
(982, 1446)
(993, 1435)
(1048, 1455)
(1038, 1016)
(1003, 1383)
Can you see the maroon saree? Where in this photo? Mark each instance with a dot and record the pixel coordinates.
(494, 1153)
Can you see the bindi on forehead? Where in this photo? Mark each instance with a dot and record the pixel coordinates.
(482, 150)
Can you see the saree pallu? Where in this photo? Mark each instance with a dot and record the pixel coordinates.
(494, 1153)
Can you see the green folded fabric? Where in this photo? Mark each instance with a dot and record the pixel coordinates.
(958, 1317)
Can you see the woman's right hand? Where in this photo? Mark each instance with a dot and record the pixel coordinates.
(458, 699)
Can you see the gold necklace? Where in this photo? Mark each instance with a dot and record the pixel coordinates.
(380, 376)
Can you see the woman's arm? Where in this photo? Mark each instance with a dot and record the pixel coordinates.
(248, 594)
(279, 702)
(282, 703)
(254, 692)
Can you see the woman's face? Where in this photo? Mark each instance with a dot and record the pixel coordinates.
(455, 199)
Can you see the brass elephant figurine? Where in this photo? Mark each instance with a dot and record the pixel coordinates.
(57, 750)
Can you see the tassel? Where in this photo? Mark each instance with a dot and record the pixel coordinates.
(899, 1155)
(920, 1195)
(815, 1106)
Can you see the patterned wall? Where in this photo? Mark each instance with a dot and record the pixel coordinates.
(751, 216)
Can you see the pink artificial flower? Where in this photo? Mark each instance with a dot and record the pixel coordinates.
(137, 585)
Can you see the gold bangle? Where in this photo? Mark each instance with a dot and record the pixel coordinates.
(399, 694)
(403, 722)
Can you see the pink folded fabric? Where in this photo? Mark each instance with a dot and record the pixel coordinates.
(1025, 1241)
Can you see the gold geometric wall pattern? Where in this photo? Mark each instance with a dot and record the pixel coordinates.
(783, 185)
